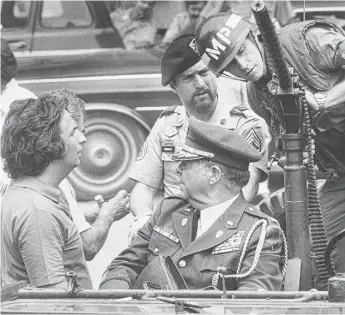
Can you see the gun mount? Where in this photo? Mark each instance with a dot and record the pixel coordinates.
(292, 109)
(284, 80)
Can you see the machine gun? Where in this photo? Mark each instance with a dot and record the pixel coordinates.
(302, 206)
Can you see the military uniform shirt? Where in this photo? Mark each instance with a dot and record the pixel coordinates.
(169, 233)
(209, 215)
(154, 166)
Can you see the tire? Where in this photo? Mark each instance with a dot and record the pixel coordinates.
(113, 142)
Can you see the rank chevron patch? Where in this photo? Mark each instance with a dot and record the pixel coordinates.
(253, 139)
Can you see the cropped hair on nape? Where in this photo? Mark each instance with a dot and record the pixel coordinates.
(30, 137)
(232, 175)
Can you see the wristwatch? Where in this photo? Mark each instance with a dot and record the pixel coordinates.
(320, 98)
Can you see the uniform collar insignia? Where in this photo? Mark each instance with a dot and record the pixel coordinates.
(235, 212)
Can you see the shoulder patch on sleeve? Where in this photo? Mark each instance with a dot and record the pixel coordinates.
(253, 139)
(143, 151)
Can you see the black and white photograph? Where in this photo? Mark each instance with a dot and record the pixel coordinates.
(172, 157)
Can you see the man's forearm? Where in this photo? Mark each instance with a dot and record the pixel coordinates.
(336, 95)
(113, 210)
(141, 200)
(94, 238)
(251, 189)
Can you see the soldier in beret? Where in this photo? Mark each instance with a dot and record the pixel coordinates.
(210, 224)
(196, 87)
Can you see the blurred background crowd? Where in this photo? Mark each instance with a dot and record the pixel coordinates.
(143, 24)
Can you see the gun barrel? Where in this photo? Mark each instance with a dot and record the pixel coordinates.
(271, 42)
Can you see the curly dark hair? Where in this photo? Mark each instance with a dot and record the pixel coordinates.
(74, 105)
(30, 137)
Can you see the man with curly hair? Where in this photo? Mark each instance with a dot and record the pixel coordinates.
(93, 235)
(40, 145)
(10, 91)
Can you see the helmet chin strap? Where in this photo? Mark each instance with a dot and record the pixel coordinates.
(228, 75)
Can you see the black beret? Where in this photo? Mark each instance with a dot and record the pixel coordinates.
(180, 55)
(218, 144)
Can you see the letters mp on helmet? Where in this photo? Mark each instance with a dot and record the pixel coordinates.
(219, 38)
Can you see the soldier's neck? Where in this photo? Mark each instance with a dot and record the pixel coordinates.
(210, 199)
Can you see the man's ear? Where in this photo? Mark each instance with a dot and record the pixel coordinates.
(173, 86)
(216, 174)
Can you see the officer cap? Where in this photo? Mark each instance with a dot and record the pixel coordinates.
(180, 55)
(218, 144)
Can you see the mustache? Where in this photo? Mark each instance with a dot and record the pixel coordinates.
(201, 92)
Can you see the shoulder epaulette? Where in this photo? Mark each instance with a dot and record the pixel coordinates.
(238, 110)
(255, 211)
(169, 110)
(251, 209)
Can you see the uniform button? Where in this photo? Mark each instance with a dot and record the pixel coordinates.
(182, 263)
(223, 121)
(156, 250)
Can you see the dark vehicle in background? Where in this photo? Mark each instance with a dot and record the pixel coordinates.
(57, 25)
(73, 45)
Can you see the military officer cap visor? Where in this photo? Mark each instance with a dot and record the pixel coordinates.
(206, 141)
(180, 55)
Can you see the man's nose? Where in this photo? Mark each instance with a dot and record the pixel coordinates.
(241, 62)
(81, 137)
(179, 170)
(199, 81)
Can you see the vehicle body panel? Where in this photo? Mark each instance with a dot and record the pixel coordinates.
(90, 306)
(35, 301)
